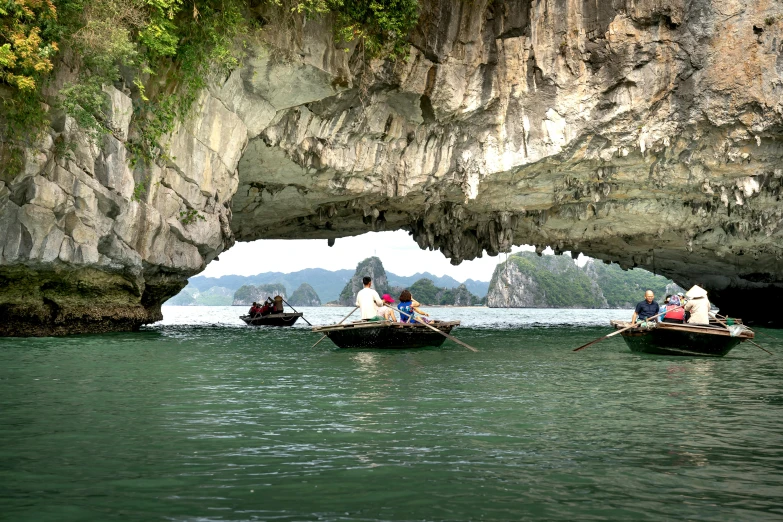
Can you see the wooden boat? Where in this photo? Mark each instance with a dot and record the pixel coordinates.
(284, 319)
(386, 334)
(714, 340)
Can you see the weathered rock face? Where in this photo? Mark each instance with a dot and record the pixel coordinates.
(525, 280)
(91, 245)
(642, 132)
(371, 267)
(513, 289)
(646, 132)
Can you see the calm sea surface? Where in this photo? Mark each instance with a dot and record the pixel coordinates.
(201, 418)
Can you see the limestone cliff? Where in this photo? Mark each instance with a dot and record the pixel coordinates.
(248, 294)
(91, 245)
(639, 131)
(371, 267)
(463, 297)
(526, 280)
(305, 295)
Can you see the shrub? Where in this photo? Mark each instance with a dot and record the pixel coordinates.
(170, 49)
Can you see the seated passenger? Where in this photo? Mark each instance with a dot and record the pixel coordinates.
(674, 311)
(409, 307)
(386, 311)
(266, 309)
(698, 305)
(253, 310)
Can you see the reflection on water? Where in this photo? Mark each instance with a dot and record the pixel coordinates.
(202, 418)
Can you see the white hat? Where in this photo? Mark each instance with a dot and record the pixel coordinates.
(695, 292)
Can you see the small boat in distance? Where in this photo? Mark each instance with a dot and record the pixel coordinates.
(386, 334)
(661, 338)
(283, 319)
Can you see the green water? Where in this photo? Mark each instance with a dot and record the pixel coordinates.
(189, 423)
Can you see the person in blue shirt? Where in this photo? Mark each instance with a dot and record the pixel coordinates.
(646, 309)
(408, 308)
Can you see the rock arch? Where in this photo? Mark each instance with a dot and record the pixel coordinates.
(642, 132)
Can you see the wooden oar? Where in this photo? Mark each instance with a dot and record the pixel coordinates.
(620, 331)
(341, 321)
(294, 309)
(749, 340)
(444, 334)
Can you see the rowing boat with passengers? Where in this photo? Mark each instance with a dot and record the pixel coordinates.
(281, 319)
(261, 316)
(706, 340)
(387, 334)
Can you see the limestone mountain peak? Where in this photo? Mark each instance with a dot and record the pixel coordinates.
(372, 267)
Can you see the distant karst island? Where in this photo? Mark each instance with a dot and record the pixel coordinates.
(523, 280)
(527, 280)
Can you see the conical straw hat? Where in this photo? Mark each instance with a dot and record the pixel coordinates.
(695, 292)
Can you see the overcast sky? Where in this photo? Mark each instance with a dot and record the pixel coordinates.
(398, 251)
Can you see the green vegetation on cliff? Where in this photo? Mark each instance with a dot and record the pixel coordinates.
(625, 288)
(305, 295)
(426, 292)
(527, 279)
(560, 283)
(163, 51)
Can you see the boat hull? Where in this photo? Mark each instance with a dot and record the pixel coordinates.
(681, 340)
(272, 319)
(386, 335)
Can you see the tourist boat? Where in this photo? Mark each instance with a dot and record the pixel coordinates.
(284, 319)
(386, 334)
(713, 340)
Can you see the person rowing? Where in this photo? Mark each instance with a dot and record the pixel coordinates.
(647, 309)
(698, 306)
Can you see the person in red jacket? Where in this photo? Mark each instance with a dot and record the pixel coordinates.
(675, 313)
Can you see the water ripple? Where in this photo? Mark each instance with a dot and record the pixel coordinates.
(203, 421)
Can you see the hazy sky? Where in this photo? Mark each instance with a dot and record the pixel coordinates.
(398, 251)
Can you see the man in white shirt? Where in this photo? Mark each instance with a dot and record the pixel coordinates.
(368, 300)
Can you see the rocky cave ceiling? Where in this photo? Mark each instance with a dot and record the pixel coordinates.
(646, 133)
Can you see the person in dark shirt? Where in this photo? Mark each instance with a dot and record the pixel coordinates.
(647, 308)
